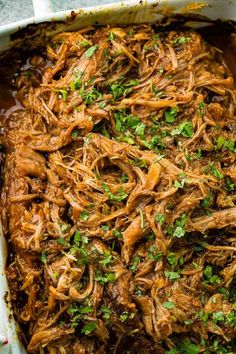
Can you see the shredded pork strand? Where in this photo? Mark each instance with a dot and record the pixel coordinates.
(119, 194)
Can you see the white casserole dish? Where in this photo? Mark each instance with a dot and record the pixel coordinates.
(127, 12)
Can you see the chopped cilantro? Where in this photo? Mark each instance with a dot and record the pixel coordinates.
(171, 275)
(124, 178)
(64, 227)
(210, 278)
(229, 184)
(106, 312)
(214, 171)
(107, 258)
(135, 264)
(226, 144)
(84, 215)
(185, 129)
(218, 316)
(90, 51)
(64, 94)
(117, 233)
(121, 195)
(111, 36)
(140, 129)
(179, 184)
(84, 43)
(138, 162)
(178, 230)
(181, 40)
(105, 227)
(77, 81)
(160, 218)
(75, 134)
(172, 259)
(106, 278)
(44, 257)
(89, 328)
(119, 89)
(168, 305)
(171, 114)
(90, 96)
(62, 241)
(153, 255)
(126, 316)
(187, 347)
(206, 201)
(201, 109)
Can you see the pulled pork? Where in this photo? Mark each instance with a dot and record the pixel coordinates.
(119, 195)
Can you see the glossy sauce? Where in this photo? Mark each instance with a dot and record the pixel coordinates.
(8, 91)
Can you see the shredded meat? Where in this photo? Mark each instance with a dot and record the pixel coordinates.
(119, 194)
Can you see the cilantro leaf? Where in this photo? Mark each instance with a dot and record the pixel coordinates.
(160, 219)
(185, 129)
(44, 257)
(84, 215)
(64, 94)
(187, 347)
(171, 275)
(90, 51)
(214, 171)
(135, 264)
(121, 195)
(171, 114)
(89, 328)
(168, 305)
(181, 40)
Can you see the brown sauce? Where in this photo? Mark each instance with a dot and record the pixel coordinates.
(228, 46)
